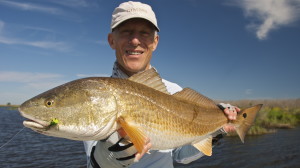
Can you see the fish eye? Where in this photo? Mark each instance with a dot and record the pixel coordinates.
(49, 103)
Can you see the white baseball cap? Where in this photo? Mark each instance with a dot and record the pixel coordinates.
(129, 10)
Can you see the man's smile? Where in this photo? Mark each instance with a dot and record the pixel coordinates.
(130, 52)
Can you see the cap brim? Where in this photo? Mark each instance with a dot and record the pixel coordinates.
(132, 17)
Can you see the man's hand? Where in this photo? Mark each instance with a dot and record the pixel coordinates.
(146, 148)
(231, 113)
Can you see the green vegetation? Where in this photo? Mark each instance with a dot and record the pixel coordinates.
(275, 114)
(277, 117)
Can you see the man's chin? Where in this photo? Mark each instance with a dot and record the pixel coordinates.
(132, 69)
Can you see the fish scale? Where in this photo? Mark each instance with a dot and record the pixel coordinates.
(161, 116)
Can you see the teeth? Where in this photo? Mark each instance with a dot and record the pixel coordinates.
(134, 52)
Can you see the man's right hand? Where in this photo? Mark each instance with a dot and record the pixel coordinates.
(146, 148)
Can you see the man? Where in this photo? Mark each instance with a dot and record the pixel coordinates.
(134, 38)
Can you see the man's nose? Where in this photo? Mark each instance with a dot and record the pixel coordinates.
(134, 40)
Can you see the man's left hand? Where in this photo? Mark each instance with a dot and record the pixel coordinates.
(231, 113)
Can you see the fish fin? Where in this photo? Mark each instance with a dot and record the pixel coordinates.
(245, 120)
(205, 146)
(151, 79)
(199, 99)
(137, 137)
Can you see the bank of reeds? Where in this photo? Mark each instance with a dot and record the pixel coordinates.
(275, 114)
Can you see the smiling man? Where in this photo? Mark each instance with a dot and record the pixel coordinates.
(134, 37)
(134, 41)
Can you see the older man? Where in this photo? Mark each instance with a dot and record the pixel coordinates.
(134, 37)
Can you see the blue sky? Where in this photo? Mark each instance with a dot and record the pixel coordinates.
(224, 49)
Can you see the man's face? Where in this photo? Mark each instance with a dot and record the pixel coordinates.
(134, 41)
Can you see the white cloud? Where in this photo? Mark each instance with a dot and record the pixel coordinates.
(56, 45)
(27, 77)
(61, 46)
(47, 9)
(16, 87)
(32, 7)
(248, 91)
(72, 3)
(268, 15)
(13, 98)
(44, 85)
(92, 75)
(1, 25)
(40, 29)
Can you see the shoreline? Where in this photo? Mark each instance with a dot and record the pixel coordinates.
(10, 107)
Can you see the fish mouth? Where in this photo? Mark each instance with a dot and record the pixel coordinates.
(33, 123)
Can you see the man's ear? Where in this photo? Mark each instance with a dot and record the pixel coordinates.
(111, 41)
(155, 43)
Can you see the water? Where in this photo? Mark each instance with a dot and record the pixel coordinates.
(276, 150)
(30, 149)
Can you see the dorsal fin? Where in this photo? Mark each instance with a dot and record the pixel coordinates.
(188, 94)
(151, 79)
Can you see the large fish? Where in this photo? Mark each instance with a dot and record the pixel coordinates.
(93, 108)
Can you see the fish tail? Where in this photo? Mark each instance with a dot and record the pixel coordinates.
(245, 120)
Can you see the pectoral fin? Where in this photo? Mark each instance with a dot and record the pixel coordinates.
(137, 137)
(205, 146)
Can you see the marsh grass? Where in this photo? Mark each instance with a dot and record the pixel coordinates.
(275, 114)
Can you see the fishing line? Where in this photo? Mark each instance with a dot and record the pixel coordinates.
(11, 138)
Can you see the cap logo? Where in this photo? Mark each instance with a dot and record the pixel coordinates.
(136, 10)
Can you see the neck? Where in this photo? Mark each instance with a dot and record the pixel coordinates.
(130, 73)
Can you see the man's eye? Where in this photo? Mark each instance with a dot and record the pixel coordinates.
(125, 32)
(145, 33)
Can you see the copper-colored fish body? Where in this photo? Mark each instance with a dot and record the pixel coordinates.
(93, 108)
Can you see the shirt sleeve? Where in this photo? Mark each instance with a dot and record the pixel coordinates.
(189, 153)
(186, 154)
(171, 87)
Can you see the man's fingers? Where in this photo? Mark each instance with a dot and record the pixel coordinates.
(229, 110)
(146, 148)
(229, 128)
(121, 132)
(226, 111)
(231, 113)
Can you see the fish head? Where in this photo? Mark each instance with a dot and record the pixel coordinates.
(81, 110)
